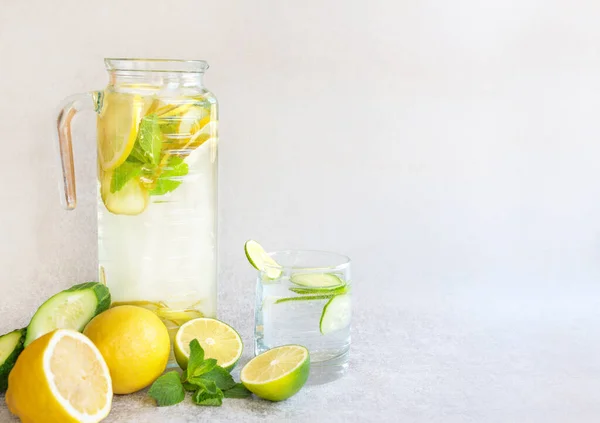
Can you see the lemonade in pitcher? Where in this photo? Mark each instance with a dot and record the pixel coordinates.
(157, 186)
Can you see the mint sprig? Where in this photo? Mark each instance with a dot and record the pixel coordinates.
(147, 160)
(208, 382)
(149, 141)
(123, 174)
(170, 176)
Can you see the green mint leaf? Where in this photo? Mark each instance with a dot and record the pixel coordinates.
(150, 138)
(169, 125)
(205, 367)
(149, 141)
(190, 387)
(220, 377)
(197, 365)
(196, 358)
(237, 391)
(208, 385)
(137, 154)
(134, 160)
(170, 177)
(124, 174)
(167, 390)
(205, 397)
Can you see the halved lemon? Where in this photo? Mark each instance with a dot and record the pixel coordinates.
(60, 378)
(218, 340)
(118, 124)
(277, 374)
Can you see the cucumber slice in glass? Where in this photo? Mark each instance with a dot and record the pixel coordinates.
(336, 314)
(260, 260)
(317, 281)
(69, 309)
(11, 345)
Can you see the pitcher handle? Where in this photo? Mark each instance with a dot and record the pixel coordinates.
(62, 134)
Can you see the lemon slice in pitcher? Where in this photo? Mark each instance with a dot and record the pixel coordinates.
(118, 125)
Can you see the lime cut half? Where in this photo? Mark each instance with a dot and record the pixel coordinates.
(260, 260)
(218, 340)
(277, 374)
(317, 281)
(336, 314)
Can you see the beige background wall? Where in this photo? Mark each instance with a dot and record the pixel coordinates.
(450, 148)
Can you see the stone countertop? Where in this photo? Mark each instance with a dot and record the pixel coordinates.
(416, 359)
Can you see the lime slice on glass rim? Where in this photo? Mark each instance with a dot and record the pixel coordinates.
(260, 260)
(277, 374)
(218, 340)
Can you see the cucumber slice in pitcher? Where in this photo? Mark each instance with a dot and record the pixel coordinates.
(317, 281)
(69, 309)
(336, 314)
(11, 345)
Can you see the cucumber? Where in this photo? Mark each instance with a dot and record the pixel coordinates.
(336, 314)
(317, 281)
(11, 345)
(69, 309)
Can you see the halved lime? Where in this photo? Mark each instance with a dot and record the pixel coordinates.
(336, 314)
(260, 260)
(277, 374)
(317, 281)
(218, 340)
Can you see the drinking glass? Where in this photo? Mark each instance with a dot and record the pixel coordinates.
(305, 298)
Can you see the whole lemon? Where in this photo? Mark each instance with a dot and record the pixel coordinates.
(134, 343)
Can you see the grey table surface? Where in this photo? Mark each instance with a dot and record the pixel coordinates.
(423, 358)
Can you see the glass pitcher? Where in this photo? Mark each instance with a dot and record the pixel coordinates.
(157, 185)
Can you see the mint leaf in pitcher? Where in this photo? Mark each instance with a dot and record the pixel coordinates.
(170, 177)
(123, 174)
(149, 141)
